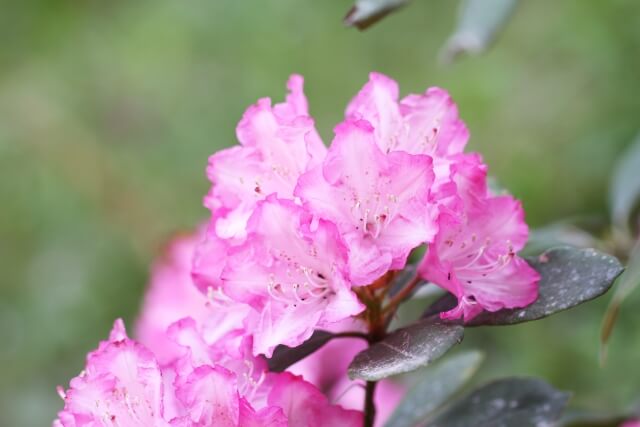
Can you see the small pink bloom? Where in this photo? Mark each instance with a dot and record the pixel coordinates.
(418, 124)
(277, 145)
(121, 385)
(631, 423)
(380, 202)
(474, 254)
(291, 270)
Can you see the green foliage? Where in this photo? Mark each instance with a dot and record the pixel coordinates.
(511, 402)
(479, 23)
(624, 193)
(405, 350)
(436, 385)
(284, 356)
(626, 284)
(367, 12)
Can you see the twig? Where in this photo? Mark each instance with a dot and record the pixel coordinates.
(352, 334)
(369, 404)
(403, 294)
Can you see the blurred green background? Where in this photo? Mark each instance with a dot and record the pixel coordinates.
(109, 109)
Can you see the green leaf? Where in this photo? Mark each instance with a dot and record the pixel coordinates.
(510, 402)
(435, 386)
(367, 12)
(628, 281)
(284, 356)
(624, 192)
(568, 277)
(405, 350)
(479, 23)
(581, 418)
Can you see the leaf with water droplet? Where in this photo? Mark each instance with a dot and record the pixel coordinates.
(568, 277)
(510, 402)
(406, 349)
(436, 384)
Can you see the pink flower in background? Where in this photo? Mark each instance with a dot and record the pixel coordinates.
(474, 254)
(123, 385)
(292, 271)
(327, 370)
(380, 202)
(172, 295)
(631, 423)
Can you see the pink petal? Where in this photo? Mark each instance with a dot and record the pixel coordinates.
(171, 296)
(377, 103)
(474, 257)
(306, 406)
(211, 397)
(121, 385)
(379, 202)
(433, 125)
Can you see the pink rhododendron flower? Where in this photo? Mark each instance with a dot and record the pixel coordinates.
(631, 423)
(380, 202)
(327, 370)
(418, 124)
(474, 254)
(123, 385)
(278, 143)
(292, 271)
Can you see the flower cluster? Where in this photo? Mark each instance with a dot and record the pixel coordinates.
(191, 366)
(297, 231)
(296, 228)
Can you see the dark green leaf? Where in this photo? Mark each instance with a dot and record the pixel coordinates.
(479, 22)
(511, 402)
(435, 386)
(624, 193)
(284, 356)
(577, 418)
(569, 277)
(405, 350)
(627, 282)
(367, 12)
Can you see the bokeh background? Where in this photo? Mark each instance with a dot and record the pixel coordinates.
(109, 109)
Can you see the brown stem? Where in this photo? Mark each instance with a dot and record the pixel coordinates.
(369, 404)
(403, 294)
(352, 334)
